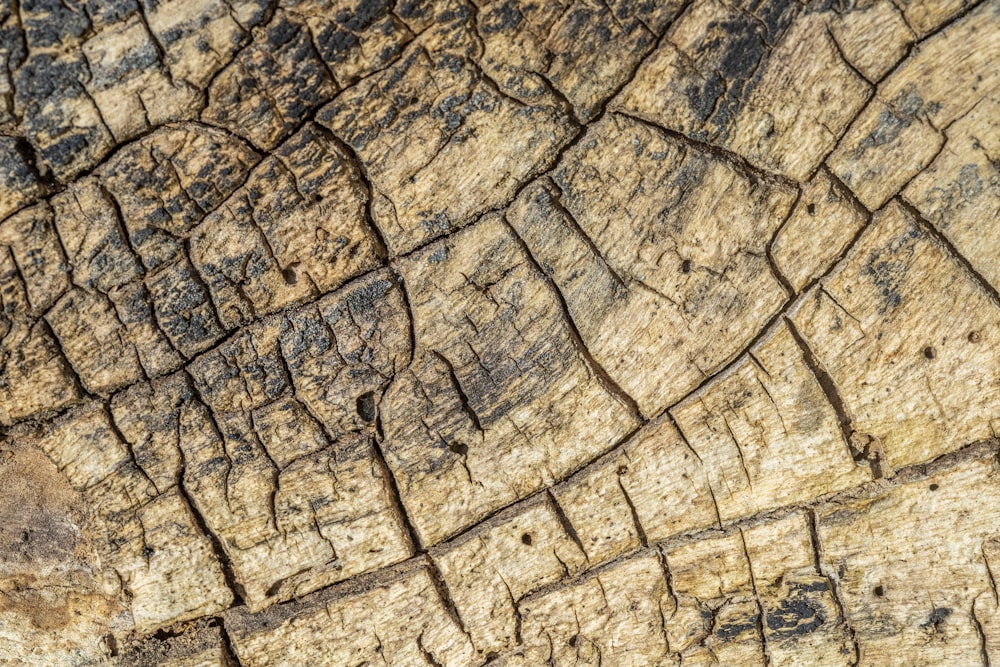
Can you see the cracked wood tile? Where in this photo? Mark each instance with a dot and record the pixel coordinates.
(900, 327)
(915, 576)
(498, 402)
(398, 617)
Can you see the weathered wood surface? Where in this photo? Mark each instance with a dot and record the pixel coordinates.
(459, 332)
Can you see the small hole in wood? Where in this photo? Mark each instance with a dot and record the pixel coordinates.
(622, 470)
(290, 276)
(811, 209)
(686, 266)
(459, 448)
(573, 640)
(975, 337)
(526, 539)
(112, 644)
(878, 591)
(366, 406)
(930, 352)
(934, 487)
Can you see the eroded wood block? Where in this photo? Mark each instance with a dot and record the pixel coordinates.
(718, 616)
(165, 563)
(95, 341)
(616, 616)
(20, 183)
(925, 16)
(398, 617)
(900, 132)
(911, 564)
(904, 331)
(296, 229)
(584, 50)
(200, 37)
(476, 143)
(148, 417)
(651, 488)
(93, 238)
(343, 351)
(498, 402)
(183, 307)
(766, 434)
(61, 120)
(645, 276)
(271, 85)
(755, 597)
(872, 35)
(129, 84)
(959, 192)
(167, 182)
(356, 38)
(803, 623)
(34, 374)
(756, 79)
(34, 244)
(822, 224)
(488, 570)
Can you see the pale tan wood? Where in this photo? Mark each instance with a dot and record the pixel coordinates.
(467, 332)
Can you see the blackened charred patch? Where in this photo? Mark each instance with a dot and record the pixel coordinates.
(366, 406)
(368, 296)
(936, 619)
(888, 128)
(743, 50)
(702, 98)
(887, 268)
(731, 630)
(811, 587)
(334, 44)
(366, 13)
(503, 17)
(796, 616)
(49, 22)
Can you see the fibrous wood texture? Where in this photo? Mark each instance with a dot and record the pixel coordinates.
(459, 332)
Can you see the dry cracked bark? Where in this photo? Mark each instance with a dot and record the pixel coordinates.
(462, 332)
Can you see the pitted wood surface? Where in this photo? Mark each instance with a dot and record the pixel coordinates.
(465, 332)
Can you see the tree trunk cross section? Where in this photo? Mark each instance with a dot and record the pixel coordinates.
(467, 332)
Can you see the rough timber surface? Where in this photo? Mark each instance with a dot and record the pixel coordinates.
(499, 332)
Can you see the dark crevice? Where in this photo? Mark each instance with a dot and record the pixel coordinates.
(564, 521)
(761, 609)
(843, 57)
(441, 586)
(556, 202)
(738, 161)
(228, 573)
(941, 240)
(396, 497)
(833, 396)
(834, 583)
(639, 530)
(228, 648)
(462, 396)
(605, 379)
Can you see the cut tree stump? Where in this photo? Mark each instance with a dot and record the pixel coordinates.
(461, 332)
